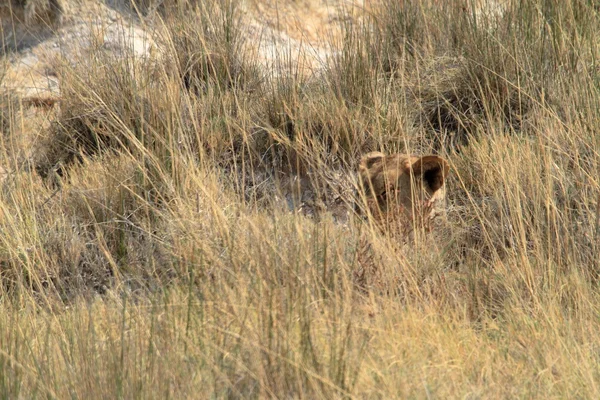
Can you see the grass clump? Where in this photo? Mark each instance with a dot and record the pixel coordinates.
(112, 105)
(208, 46)
(33, 12)
(512, 60)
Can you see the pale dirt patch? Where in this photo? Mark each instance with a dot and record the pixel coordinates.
(297, 33)
(301, 33)
(86, 25)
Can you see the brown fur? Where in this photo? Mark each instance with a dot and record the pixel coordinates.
(400, 189)
(400, 193)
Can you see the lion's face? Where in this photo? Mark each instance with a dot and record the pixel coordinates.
(402, 188)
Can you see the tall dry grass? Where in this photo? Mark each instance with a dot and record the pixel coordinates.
(175, 231)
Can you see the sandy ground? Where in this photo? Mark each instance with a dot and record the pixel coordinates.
(301, 32)
(86, 24)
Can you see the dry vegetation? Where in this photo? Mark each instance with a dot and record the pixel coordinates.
(174, 229)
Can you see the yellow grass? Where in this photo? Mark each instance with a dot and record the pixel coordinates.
(176, 227)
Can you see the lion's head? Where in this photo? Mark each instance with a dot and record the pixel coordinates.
(401, 189)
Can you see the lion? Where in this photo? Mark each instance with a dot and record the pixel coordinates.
(402, 191)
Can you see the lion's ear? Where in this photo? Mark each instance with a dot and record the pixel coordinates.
(367, 161)
(432, 169)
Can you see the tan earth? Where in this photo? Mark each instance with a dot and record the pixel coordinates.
(296, 31)
(304, 32)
